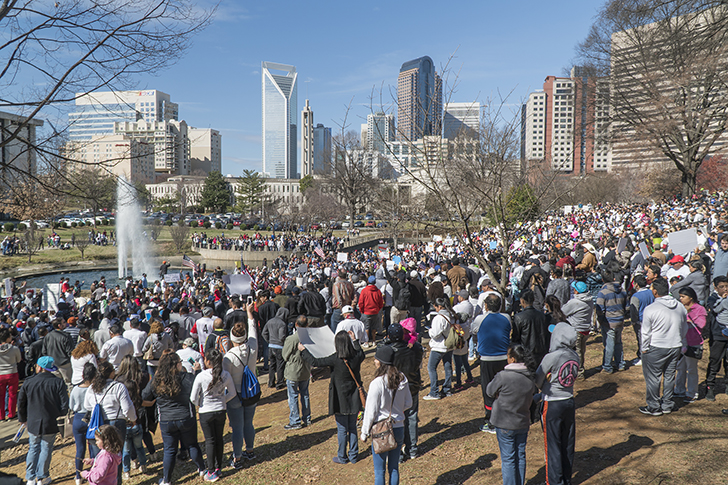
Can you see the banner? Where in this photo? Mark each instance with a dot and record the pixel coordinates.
(317, 340)
(683, 242)
(342, 257)
(171, 278)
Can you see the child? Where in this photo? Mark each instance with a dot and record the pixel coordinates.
(409, 325)
(105, 469)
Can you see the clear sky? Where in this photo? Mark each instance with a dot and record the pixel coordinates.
(343, 51)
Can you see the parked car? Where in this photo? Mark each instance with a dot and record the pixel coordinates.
(369, 224)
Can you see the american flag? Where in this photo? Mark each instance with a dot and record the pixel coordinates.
(253, 285)
(186, 261)
(319, 251)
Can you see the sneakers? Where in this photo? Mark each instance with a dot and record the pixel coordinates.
(31, 482)
(79, 481)
(249, 455)
(488, 428)
(469, 382)
(134, 464)
(144, 468)
(666, 411)
(162, 482)
(212, 476)
(125, 476)
(339, 461)
(458, 387)
(45, 481)
(430, 397)
(724, 411)
(690, 400)
(607, 371)
(202, 473)
(292, 427)
(236, 464)
(710, 394)
(447, 394)
(646, 410)
(637, 361)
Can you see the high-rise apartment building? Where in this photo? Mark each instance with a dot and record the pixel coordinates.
(419, 100)
(205, 150)
(307, 147)
(461, 120)
(280, 112)
(321, 149)
(380, 130)
(115, 154)
(533, 126)
(169, 141)
(96, 113)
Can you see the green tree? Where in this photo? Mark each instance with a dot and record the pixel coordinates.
(168, 203)
(215, 194)
(521, 204)
(249, 192)
(305, 183)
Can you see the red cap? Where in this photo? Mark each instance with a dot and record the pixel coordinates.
(677, 259)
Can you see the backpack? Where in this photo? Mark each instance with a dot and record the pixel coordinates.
(97, 417)
(249, 386)
(403, 298)
(455, 338)
(222, 344)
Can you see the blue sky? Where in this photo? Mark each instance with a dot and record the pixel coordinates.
(344, 50)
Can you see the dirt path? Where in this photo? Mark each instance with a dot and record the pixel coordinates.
(615, 444)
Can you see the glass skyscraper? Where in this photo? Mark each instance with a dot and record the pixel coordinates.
(419, 100)
(280, 112)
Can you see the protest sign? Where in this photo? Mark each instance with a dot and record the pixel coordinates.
(51, 295)
(171, 278)
(342, 257)
(643, 249)
(317, 340)
(621, 245)
(239, 284)
(683, 242)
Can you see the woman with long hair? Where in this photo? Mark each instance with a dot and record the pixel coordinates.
(687, 366)
(116, 404)
(75, 404)
(10, 357)
(244, 352)
(85, 351)
(135, 380)
(159, 341)
(552, 309)
(344, 401)
(539, 292)
(171, 388)
(389, 396)
(212, 389)
(513, 389)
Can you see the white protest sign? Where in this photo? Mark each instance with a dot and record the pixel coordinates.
(8, 287)
(51, 295)
(622, 245)
(239, 284)
(437, 238)
(643, 249)
(430, 247)
(383, 254)
(390, 265)
(171, 278)
(342, 257)
(400, 246)
(683, 242)
(317, 340)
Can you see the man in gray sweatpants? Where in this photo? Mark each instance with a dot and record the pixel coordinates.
(664, 326)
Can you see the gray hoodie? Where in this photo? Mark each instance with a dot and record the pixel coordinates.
(9, 359)
(559, 368)
(276, 329)
(513, 391)
(579, 311)
(664, 324)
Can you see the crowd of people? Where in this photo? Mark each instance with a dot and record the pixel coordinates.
(273, 242)
(145, 355)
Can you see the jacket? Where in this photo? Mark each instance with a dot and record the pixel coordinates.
(408, 361)
(611, 304)
(513, 390)
(9, 359)
(494, 337)
(713, 306)
(211, 341)
(640, 300)
(312, 304)
(530, 329)
(370, 300)
(296, 368)
(418, 297)
(558, 370)
(42, 399)
(720, 266)
(174, 408)
(664, 324)
(439, 330)
(342, 293)
(58, 345)
(343, 391)
(104, 463)
(383, 402)
(578, 311)
(695, 280)
(588, 262)
(456, 275)
(276, 329)
(559, 287)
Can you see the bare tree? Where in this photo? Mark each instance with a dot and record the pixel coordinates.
(81, 244)
(180, 235)
(668, 65)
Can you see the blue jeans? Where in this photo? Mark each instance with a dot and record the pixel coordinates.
(79, 436)
(38, 460)
(416, 313)
(410, 427)
(512, 444)
(174, 432)
(460, 362)
(390, 460)
(151, 369)
(612, 347)
(346, 433)
(432, 363)
(296, 389)
(241, 421)
(133, 440)
(336, 317)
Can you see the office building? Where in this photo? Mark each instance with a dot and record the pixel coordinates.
(280, 110)
(380, 130)
(419, 100)
(205, 150)
(307, 145)
(321, 149)
(116, 154)
(461, 120)
(18, 155)
(169, 141)
(96, 113)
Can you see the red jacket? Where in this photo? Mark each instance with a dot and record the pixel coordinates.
(370, 300)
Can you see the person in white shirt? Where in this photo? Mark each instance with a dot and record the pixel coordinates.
(675, 267)
(137, 338)
(349, 323)
(203, 327)
(187, 352)
(116, 348)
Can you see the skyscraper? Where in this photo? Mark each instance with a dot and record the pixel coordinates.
(380, 130)
(461, 119)
(419, 100)
(307, 152)
(321, 149)
(280, 112)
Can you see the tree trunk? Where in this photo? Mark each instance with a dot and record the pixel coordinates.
(689, 180)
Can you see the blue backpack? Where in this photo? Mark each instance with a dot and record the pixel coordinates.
(97, 418)
(249, 386)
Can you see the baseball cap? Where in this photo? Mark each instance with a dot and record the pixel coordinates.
(347, 309)
(385, 354)
(189, 341)
(677, 259)
(413, 274)
(46, 362)
(207, 311)
(371, 280)
(579, 286)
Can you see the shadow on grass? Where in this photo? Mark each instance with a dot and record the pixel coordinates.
(446, 433)
(588, 396)
(605, 457)
(463, 473)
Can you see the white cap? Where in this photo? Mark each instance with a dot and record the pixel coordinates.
(347, 309)
(413, 274)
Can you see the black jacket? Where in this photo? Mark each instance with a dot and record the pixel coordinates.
(418, 296)
(235, 316)
(312, 304)
(343, 392)
(58, 345)
(266, 311)
(530, 329)
(42, 399)
(292, 307)
(408, 361)
(175, 408)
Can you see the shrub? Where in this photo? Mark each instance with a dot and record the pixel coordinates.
(169, 223)
(256, 227)
(206, 225)
(194, 223)
(9, 227)
(81, 224)
(21, 226)
(56, 225)
(218, 225)
(230, 227)
(104, 222)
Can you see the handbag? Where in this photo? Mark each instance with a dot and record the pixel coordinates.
(362, 392)
(695, 351)
(149, 354)
(383, 439)
(68, 425)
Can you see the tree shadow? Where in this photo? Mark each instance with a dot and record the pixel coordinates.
(587, 396)
(276, 396)
(463, 473)
(447, 433)
(600, 457)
